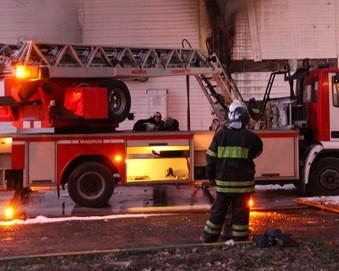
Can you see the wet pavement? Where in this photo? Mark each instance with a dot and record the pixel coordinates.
(143, 199)
(187, 206)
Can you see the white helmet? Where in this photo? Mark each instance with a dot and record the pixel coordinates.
(235, 104)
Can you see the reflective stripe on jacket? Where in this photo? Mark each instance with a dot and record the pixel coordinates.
(230, 159)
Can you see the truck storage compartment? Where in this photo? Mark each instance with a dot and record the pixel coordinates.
(41, 163)
(158, 161)
(278, 162)
(201, 141)
(280, 158)
(5, 159)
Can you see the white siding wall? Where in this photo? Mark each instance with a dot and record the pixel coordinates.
(43, 20)
(287, 29)
(290, 29)
(151, 23)
(253, 85)
(176, 102)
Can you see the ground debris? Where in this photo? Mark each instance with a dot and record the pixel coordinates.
(311, 257)
(132, 245)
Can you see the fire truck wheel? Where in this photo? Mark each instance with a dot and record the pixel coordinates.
(91, 184)
(119, 100)
(324, 177)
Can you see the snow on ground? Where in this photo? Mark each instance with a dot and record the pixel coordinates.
(43, 219)
(330, 203)
(323, 200)
(275, 187)
(329, 200)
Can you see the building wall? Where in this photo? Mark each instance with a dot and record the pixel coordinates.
(151, 23)
(158, 23)
(289, 29)
(285, 29)
(42, 20)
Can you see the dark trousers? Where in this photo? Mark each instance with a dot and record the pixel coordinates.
(240, 217)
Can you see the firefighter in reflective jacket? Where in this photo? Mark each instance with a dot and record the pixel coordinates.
(231, 168)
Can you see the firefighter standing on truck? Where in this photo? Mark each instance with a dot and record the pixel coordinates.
(231, 168)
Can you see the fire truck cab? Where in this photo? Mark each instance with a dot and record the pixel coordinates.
(320, 133)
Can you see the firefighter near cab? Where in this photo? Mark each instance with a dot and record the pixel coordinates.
(231, 168)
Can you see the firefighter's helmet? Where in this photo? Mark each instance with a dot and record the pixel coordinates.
(157, 114)
(238, 115)
(235, 104)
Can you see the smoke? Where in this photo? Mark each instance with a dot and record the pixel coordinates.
(228, 10)
(222, 17)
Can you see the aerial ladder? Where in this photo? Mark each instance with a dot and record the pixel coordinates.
(62, 66)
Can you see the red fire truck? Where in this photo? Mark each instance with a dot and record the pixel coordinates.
(78, 87)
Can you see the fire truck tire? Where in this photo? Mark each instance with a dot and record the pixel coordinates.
(119, 100)
(324, 177)
(91, 184)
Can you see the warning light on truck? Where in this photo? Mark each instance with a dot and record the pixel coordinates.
(250, 202)
(27, 72)
(117, 158)
(9, 213)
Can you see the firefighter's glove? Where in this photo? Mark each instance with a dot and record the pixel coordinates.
(212, 182)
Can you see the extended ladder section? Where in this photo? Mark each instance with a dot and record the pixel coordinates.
(219, 89)
(90, 61)
(6, 52)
